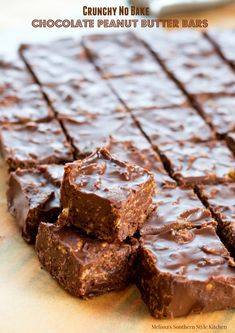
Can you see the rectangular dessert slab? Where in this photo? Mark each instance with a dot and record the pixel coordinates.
(221, 200)
(106, 197)
(90, 131)
(58, 61)
(85, 267)
(170, 125)
(223, 39)
(73, 98)
(120, 54)
(30, 144)
(149, 91)
(193, 61)
(184, 272)
(21, 98)
(201, 163)
(33, 198)
(176, 208)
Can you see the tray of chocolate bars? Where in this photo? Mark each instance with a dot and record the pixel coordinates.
(120, 154)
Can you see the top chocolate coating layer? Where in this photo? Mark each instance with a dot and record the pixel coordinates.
(194, 62)
(34, 143)
(176, 208)
(142, 155)
(206, 163)
(220, 112)
(224, 40)
(196, 254)
(58, 61)
(189, 43)
(91, 131)
(148, 91)
(170, 125)
(74, 98)
(106, 197)
(185, 271)
(21, 100)
(120, 54)
(106, 176)
(220, 198)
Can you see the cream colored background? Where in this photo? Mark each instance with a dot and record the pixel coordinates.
(30, 300)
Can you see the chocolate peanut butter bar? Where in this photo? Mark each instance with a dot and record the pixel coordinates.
(73, 98)
(201, 163)
(84, 266)
(170, 125)
(58, 62)
(220, 199)
(185, 271)
(21, 99)
(176, 208)
(27, 145)
(120, 54)
(193, 61)
(106, 197)
(32, 198)
(90, 131)
(148, 91)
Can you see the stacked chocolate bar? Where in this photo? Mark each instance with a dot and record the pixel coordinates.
(127, 113)
(104, 202)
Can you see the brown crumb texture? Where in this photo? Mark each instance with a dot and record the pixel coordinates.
(83, 266)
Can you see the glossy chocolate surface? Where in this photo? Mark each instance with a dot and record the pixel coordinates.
(91, 131)
(120, 54)
(176, 208)
(74, 98)
(106, 176)
(58, 61)
(21, 99)
(148, 91)
(106, 197)
(220, 199)
(141, 153)
(220, 112)
(224, 41)
(194, 62)
(34, 143)
(203, 163)
(170, 125)
(184, 272)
